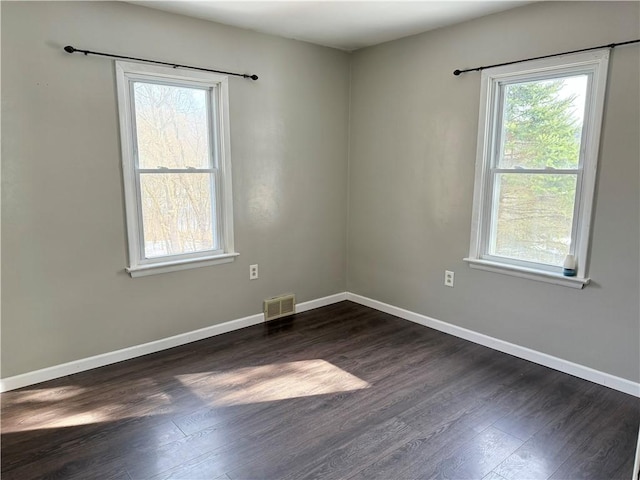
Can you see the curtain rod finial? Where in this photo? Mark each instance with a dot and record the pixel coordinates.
(69, 49)
(457, 72)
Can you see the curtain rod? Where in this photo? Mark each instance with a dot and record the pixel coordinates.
(610, 45)
(70, 49)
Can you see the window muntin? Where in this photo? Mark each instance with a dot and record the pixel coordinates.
(537, 156)
(176, 166)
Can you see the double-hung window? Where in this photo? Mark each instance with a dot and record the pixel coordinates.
(176, 167)
(539, 132)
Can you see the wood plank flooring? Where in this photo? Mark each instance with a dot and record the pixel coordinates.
(341, 392)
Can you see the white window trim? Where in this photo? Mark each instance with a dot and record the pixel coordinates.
(529, 273)
(596, 63)
(165, 267)
(139, 266)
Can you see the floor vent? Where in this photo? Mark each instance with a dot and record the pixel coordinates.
(278, 307)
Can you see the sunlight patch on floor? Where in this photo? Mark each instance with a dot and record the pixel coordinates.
(268, 383)
(62, 407)
(46, 394)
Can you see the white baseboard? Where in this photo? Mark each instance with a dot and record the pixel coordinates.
(577, 370)
(636, 463)
(321, 302)
(57, 371)
(580, 371)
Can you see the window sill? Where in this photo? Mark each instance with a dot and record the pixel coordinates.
(531, 274)
(165, 267)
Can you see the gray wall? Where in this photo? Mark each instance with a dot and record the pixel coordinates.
(65, 294)
(412, 153)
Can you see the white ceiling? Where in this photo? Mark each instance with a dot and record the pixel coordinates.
(347, 25)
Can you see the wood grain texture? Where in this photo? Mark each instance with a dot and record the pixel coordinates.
(341, 392)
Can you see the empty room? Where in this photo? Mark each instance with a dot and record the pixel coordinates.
(320, 239)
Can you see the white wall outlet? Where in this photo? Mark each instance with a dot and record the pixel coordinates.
(253, 272)
(448, 278)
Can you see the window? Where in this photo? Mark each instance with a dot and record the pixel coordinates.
(176, 168)
(538, 139)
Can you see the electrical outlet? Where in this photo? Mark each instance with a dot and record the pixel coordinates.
(448, 278)
(253, 272)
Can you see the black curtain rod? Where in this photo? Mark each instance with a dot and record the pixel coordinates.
(610, 45)
(70, 49)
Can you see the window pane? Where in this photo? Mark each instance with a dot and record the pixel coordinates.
(542, 124)
(171, 126)
(532, 217)
(176, 213)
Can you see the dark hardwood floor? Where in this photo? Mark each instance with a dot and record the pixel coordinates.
(341, 392)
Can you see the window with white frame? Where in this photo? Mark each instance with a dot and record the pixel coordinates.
(539, 132)
(176, 167)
